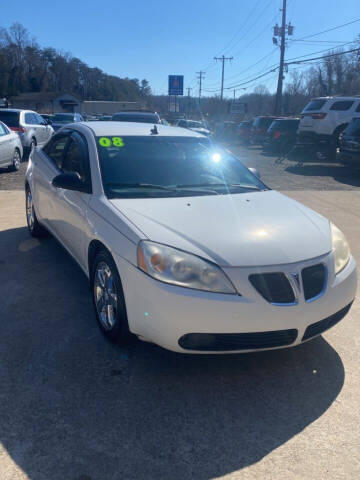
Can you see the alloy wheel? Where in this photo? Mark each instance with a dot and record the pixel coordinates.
(105, 295)
(29, 210)
(16, 160)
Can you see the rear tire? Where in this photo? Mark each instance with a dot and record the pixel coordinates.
(14, 167)
(108, 299)
(35, 228)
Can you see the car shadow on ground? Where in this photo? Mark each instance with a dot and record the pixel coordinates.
(74, 406)
(340, 173)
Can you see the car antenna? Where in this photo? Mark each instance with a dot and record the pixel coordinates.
(154, 131)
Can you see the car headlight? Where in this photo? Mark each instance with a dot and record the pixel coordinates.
(340, 248)
(174, 266)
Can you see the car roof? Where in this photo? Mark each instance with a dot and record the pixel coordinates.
(16, 110)
(136, 112)
(103, 129)
(337, 97)
(284, 119)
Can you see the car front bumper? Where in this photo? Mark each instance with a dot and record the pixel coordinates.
(166, 314)
(350, 158)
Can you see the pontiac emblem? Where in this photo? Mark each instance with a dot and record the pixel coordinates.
(296, 278)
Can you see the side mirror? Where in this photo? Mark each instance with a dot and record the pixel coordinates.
(69, 181)
(254, 171)
(48, 121)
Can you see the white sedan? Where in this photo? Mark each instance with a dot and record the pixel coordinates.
(11, 150)
(183, 245)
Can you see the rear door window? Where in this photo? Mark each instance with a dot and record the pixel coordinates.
(30, 119)
(342, 105)
(2, 130)
(314, 105)
(11, 119)
(358, 108)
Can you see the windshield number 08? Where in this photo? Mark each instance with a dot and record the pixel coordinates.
(111, 142)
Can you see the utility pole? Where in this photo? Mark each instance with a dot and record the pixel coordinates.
(200, 77)
(188, 100)
(281, 32)
(223, 60)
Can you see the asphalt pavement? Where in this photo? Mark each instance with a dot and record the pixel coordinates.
(75, 407)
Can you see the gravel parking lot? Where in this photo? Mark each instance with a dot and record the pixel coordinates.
(74, 407)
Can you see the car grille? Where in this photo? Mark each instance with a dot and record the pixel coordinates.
(274, 287)
(237, 341)
(320, 327)
(313, 279)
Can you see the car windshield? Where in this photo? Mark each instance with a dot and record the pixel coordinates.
(138, 167)
(63, 118)
(123, 117)
(314, 105)
(11, 119)
(284, 125)
(194, 124)
(263, 122)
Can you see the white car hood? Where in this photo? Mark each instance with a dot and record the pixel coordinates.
(248, 229)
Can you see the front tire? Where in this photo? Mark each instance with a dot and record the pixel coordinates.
(35, 228)
(108, 299)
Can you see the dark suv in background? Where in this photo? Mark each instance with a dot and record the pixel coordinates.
(259, 129)
(281, 135)
(142, 117)
(350, 144)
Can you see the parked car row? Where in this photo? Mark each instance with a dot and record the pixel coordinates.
(275, 134)
(327, 126)
(22, 130)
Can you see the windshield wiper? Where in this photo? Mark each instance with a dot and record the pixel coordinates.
(224, 185)
(175, 188)
(141, 185)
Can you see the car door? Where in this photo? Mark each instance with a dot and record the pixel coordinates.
(6, 146)
(44, 129)
(47, 164)
(70, 207)
(32, 122)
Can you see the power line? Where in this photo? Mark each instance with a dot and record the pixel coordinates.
(241, 38)
(329, 30)
(287, 61)
(324, 56)
(320, 51)
(252, 26)
(240, 28)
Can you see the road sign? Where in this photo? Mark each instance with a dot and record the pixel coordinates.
(176, 84)
(237, 107)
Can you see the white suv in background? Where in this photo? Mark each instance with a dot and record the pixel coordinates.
(325, 118)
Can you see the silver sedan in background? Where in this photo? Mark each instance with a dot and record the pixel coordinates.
(32, 129)
(11, 150)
